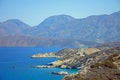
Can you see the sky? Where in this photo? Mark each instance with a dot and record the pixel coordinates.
(33, 12)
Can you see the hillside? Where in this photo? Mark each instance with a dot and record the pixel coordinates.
(103, 68)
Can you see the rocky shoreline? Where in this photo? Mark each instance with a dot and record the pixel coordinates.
(66, 57)
(43, 66)
(60, 73)
(45, 55)
(91, 62)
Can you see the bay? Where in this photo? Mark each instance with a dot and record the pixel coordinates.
(16, 64)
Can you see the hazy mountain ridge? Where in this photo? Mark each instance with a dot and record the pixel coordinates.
(93, 28)
(13, 27)
(64, 30)
(32, 41)
(54, 26)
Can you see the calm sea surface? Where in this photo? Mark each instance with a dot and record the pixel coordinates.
(16, 64)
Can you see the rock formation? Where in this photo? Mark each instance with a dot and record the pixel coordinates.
(101, 63)
(44, 55)
(60, 73)
(68, 58)
(104, 67)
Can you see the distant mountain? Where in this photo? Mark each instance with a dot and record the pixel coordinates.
(99, 28)
(13, 27)
(56, 20)
(54, 26)
(32, 41)
(62, 30)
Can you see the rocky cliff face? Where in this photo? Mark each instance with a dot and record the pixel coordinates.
(103, 65)
(69, 58)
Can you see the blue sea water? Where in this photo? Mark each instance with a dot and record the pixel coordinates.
(16, 64)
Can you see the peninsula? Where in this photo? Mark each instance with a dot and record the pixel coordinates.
(93, 62)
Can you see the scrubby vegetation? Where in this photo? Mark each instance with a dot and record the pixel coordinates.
(106, 63)
(107, 69)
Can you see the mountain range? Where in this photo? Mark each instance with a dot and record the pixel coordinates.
(62, 30)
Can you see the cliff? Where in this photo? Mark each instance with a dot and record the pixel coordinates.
(68, 58)
(103, 65)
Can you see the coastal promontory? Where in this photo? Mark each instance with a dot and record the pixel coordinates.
(94, 63)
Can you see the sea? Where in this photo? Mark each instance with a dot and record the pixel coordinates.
(16, 64)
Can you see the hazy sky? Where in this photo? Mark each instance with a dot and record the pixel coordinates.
(33, 12)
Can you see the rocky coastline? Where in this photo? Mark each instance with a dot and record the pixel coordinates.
(43, 66)
(92, 62)
(102, 65)
(60, 73)
(66, 57)
(45, 55)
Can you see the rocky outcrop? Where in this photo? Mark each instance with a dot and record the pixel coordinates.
(44, 55)
(60, 73)
(104, 65)
(70, 58)
(68, 52)
(43, 66)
